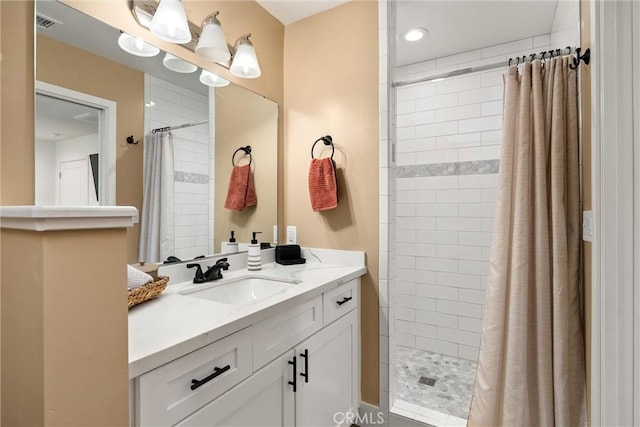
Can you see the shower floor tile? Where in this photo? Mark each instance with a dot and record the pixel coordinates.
(454, 379)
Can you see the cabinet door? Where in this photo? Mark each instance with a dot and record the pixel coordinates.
(330, 389)
(264, 399)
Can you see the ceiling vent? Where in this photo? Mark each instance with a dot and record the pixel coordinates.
(44, 22)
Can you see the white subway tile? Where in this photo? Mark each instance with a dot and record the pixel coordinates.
(467, 281)
(480, 124)
(541, 40)
(479, 181)
(416, 223)
(486, 254)
(437, 264)
(405, 288)
(405, 339)
(492, 78)
(459, 252)
(406, 236)
(471, 238)
(459, 58)
(437, 319)
(458, 196)
(414, 196)
(437, 346)
(436, 102)
(414, 119)
(405, 184)
(416, 249)
(458, 113)
(416, 276)
(405, 261)
(487, 225)
(437, 129)
(484, 210)
(406, 107)
(459, 140)
(436, 182)
(491, 108)
(417, 329)
(415, 91)
(458, 84)
(404, 159)
(416, 145)
(458, 308)
(489, 195)
(442, 237)
(459, 224)
(470, 353)
(459, 336)
(476, 96)
(489, 152)
(405, 209)
(437, 156)
(416, 302)
(492, 137)
(403, 133)
(472, 295)
(518, 45)
(435, 291)
(404, 313)
(473, 267)
(436, 209)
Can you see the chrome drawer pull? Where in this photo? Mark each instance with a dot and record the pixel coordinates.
(344, 300)
(216, 373)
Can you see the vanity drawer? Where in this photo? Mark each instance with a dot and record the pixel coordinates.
(282, 331)
(167, 394)
(340, 300)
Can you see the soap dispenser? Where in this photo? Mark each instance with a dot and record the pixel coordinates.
(254, 255)
(231, 246)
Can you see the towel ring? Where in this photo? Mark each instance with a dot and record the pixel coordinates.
(326, 140)
(247, 151)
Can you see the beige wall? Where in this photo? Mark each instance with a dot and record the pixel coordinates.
(331, 87)
(244, 118)
(67, 66)
(64, 359)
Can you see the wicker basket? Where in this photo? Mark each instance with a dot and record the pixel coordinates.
(148, 291)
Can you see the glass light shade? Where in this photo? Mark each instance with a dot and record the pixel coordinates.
(212, 44)
(136, 46)
(170, 22)
(178, 65)
(245, 62)
(210, 79)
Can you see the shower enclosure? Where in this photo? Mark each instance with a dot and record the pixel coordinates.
(444, 109)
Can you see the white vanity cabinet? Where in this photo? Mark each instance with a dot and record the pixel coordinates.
(305, 371)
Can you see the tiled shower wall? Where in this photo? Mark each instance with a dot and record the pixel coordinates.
(193, 149)
(448, 145)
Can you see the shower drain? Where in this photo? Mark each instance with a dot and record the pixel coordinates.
(428, 381)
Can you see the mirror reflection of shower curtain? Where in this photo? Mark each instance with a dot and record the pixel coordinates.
(157, 216)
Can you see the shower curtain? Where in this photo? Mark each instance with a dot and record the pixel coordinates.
(531, 368)
(157, 216)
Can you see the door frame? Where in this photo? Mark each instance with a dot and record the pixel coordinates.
(615, 351)
(106, 130)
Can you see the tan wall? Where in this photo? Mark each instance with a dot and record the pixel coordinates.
(244, 118)
(331, 87)
(585, 25)
(67, 66)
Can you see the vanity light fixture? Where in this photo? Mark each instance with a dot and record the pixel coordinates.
(210, 79)
(245, 62)
(178, 65)
(136, 46)
(212, 44)
(415, 34)
(170, 22)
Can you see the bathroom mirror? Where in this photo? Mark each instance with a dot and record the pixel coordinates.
(96, 108)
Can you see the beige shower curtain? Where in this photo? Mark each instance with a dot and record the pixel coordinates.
(531, 368)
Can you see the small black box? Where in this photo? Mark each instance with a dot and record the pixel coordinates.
(289, 255)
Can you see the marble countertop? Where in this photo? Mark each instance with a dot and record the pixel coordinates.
(174, 324)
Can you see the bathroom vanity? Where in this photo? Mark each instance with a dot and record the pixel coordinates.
(278, 347)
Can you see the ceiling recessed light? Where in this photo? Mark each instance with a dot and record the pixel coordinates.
(415, 34)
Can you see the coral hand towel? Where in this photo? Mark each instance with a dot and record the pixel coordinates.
(241, 193)
(323, 186)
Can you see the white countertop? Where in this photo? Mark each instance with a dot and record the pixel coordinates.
(174, 324)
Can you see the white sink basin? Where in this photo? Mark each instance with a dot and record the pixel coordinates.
(242, 291)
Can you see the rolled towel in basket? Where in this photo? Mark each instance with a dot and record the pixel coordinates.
(136, 278)
(241, 192)
(323, 185)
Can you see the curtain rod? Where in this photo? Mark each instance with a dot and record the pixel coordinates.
(170, 128)
(542, 55)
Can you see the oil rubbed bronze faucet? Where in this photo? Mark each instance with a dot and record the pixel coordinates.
(212, 273)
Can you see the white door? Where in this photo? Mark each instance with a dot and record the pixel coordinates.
(328, 389)
(74, 183)
(265, 399)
